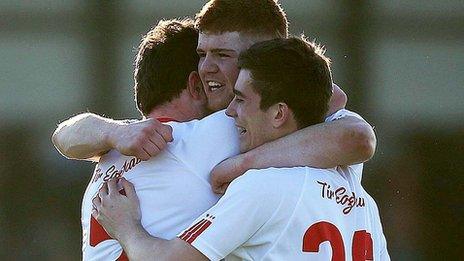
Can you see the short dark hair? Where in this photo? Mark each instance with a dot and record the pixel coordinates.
(257, 17)
(294, 71)
(166, 56)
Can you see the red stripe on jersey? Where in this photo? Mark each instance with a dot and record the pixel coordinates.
(193, 228)
(123, 257)
(199, 231)
(97, 232)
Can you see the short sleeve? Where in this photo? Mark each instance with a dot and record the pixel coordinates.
(239, 214)
(341, 114)
(202, 144)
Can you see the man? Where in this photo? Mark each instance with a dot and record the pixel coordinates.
(228, 27)
(274, 214)
(174, 185)
(305, 148)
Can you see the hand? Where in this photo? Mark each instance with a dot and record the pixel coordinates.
(119, 214)
(225, 172)
(142, 139)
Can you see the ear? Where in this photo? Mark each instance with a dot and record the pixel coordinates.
(281, 114)
(195, 87)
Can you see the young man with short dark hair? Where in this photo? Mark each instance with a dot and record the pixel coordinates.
(275, 214)
(173, 187)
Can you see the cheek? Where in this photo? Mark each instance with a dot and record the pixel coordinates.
(231, 71)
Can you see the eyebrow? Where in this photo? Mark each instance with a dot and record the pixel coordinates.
(217, 50)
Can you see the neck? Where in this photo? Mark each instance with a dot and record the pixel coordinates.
(171, 110)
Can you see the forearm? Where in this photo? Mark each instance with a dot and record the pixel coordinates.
(342, 142)
(84, 136)
(139, 245)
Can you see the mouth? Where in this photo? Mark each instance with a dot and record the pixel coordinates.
(214, 86)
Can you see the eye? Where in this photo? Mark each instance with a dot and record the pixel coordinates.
(223, 55)
(201, 54)
(238, 99)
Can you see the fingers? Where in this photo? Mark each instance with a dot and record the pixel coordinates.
(142, 154)
(154, 145)
(164, 130)
(222, 189)
(103, 191)
(112, 186)
(96, 203)
(157, 140)
(153, 139)
(129, 189)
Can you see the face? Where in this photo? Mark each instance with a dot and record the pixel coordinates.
(254, 125)
(218, 65)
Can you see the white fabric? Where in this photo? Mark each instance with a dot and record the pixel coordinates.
(173, 187)
(340, 114)
(265, 213)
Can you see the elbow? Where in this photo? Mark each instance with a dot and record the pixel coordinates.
(363, 141)
(57, 141)
(60, 143)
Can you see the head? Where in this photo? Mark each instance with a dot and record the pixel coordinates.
(227, 28)
(165, 67)
(283, 85)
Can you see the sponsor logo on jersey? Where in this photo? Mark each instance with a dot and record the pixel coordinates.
(341, 196)
(113, 172)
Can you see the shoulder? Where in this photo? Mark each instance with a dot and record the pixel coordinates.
(271, 181)
(218, 117)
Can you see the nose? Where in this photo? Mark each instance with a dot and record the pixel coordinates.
(230, 111)
(207, 65)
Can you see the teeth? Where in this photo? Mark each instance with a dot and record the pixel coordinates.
(214, 85)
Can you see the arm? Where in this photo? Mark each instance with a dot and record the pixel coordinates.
(121, 217)
(88, 136)
(345, 141)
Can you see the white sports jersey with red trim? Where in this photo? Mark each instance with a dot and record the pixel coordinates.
(173, 188)
(291, 214)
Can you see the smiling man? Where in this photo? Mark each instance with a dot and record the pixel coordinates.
(277, 213)
(228, 27)
(226, 30)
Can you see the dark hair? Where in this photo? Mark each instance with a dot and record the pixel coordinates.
(165, 58)
(293, 71)
(257, 17)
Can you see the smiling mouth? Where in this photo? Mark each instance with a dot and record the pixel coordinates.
(214, 86)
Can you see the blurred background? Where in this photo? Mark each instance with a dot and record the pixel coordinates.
(400, 62)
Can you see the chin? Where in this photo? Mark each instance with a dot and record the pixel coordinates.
(216, 106)
(244, 148)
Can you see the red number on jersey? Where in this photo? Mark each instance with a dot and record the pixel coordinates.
(321, 232)
(362, 246)
(325, 231)
(98, 234)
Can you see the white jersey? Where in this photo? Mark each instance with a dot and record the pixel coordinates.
(173, 188)
(291, 214)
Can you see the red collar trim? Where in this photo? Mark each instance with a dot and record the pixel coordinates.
(165, 119)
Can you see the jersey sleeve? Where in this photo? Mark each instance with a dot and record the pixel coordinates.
(342, 114)
(238, 215)
(357, 169)
(202, 144)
